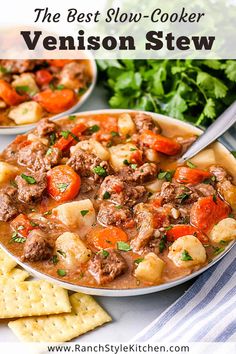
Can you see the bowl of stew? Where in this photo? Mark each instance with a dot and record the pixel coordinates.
(98, 203)
(31, 90)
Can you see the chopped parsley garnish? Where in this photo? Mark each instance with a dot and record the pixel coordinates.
(13, 183)
(52, 138)
(49, 212)
(126, 162)
(93, 129)
(3, 70)
(138, 260)
(166, 175)
(118, 206)
(49, 152)
(214, 198)
(34, 224)
(218, 250)
(22, 89)
(210, 180)
(162, 244)
(104, 253)
(28, 179)
(72, 117)
(62, 187)
(190, 164)
(123, 246)
(133, 166)
(55, 259)
(84, 212)
(222, 242)
(61, 272)
(74, 136)
(114, 134)
(186, 256)
(100, 171)
(63, 254)
(133, 149)
(16, 238)
(82, 90)
(106, 195)
(60, 87)
(65, 133)
(167, 228)
(182, 197)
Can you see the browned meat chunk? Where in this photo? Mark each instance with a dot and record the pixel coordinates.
(178, 194)
(186, 142)
(220, 173)
(105, 267)
(19, 66)
(145, 122)
(8, 207)
(32, 156)
(45, 127)
(72, 75)
(119, 192)
(27, 192)
(144, 218)
(53, 157)
(89, 165)
(140, 175)
(37, 247)
(204, 190)
(110, 214)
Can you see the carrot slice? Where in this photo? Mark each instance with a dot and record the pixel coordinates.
(9, 94)
(63, 183)
(160, 143)
(183, 230)
(107, 237)
(191, 175)
(56, 101)
(22, 225)
(43, 77)
(64, 143)
(59, 63)
(207, 212)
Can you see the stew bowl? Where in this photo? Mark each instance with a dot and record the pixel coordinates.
(225, 156)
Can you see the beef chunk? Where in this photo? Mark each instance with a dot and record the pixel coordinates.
(144, 218)
(28, 193)
(110, 214)
(139, 175)
(53, 157)
(178, 194)
(32, 156)
(84, 164)
(204, 190)
(145, 122)
(8, 206)
(45, 127)
(105, 268)
(119, 192)
(73, 74)
(220, 173)
(186, 142)
(37, 247)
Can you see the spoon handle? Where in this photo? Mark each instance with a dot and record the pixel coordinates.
(215, 130)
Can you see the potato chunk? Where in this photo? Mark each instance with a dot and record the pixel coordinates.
(187, 251)
(225, 230)
(26, 81)
(7, 171)
(93, 147)
(79, 214)
(204, 158)
(71, 250)
(26, 113)
(121, 153)
(150, 269)
(126, 124)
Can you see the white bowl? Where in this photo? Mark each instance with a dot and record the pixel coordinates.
(11, 130)
(151, 289)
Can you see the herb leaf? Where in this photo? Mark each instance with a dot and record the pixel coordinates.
(100, 171)
(186, 256)
(84, 212)
(28, 179)
(106, 195)
(123, 246)
(62, 187)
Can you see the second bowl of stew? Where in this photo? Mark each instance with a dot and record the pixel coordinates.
(98, 202)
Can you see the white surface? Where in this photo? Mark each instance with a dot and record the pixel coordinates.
(131, 314)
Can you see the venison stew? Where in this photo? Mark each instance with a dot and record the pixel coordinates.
(99, 200)
(34, 89)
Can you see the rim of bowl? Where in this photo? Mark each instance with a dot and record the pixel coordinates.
(12, 130)
(130, 291)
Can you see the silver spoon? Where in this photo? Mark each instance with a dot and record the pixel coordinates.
(215, 130)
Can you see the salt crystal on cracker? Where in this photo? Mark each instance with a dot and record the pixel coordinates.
(85, 316)
(31, 298)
